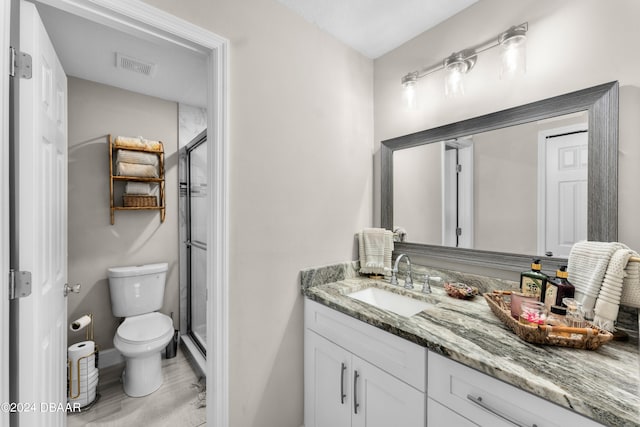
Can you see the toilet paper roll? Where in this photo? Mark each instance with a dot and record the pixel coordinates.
(80, 323)
(75, 353)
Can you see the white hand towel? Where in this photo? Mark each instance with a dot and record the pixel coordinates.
(138, 157)
(588, 262)
(143, 188)
(133, 169)
(615, 279)
(376, 247)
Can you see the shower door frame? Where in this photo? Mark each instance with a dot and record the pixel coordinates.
(187, 243)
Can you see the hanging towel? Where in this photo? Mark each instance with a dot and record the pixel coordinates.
(588, 262)
(376, 247)
(615, 280)
(137, 157)
(132, 169)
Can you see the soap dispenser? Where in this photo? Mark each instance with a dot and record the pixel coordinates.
(558, 288)
(532, 282)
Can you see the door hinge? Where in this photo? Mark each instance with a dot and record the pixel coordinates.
(458, 168)
(21, 64)
(19, 284)
(458, 231)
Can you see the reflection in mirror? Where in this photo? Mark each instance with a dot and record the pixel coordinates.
(507, 203)
(481, 190)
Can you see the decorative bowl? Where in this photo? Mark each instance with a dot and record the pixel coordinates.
(460, 290)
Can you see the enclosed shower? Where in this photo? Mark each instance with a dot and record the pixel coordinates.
(193, 247)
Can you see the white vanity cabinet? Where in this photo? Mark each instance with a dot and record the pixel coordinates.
(461, 396)
(359, 376)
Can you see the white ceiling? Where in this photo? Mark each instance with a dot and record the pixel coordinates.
(375, 27)
(88, 50)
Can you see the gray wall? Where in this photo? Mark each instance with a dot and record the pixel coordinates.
(301, 144)
(571, 45)
(96, 110)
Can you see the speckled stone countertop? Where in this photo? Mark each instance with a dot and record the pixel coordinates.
(602, 385)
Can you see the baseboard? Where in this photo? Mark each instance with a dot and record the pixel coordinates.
(109, 357)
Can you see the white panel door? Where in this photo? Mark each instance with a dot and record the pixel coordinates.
(42, 228)
(327, 383)
(566, 188)
(382, 400)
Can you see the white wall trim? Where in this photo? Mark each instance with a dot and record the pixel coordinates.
(5, 24)
(139, 18)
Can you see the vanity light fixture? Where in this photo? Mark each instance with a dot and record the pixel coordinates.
(459, 63)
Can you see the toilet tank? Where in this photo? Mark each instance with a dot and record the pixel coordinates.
(137, 289)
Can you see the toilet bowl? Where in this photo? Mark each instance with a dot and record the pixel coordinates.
(141, 339)
(137, 292)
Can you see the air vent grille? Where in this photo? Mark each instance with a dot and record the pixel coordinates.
(129, 63)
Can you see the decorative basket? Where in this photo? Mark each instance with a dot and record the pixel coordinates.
(589, 338)
(138, 201)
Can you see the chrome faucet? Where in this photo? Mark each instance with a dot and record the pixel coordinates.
(408, 282)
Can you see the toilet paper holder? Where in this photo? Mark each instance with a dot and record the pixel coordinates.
(89, 337)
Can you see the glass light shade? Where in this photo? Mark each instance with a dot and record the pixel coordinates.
(513, 57)
(453, 80)
(409, 94)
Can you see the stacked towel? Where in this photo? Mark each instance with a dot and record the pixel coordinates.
(137, 188)
(137, 142)
(376, 246)
(137, 157)
(137, 170)
(601, 272)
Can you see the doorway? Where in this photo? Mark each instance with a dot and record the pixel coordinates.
(136, 17)
(562, 189)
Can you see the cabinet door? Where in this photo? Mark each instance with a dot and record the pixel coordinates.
(381, 400)
(439, 415)
(327, 384)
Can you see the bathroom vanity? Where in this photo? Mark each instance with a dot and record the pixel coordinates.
(453, 363)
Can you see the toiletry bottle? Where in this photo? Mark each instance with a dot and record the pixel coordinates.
(532, 282)
(558, 288)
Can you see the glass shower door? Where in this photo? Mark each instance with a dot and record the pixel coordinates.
(195, 238)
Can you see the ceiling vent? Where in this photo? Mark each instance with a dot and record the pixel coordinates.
(135, 65)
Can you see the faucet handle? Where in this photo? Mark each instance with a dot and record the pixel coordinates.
(408, 283)
(426, 288)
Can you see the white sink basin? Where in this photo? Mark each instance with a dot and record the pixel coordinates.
(399, 304)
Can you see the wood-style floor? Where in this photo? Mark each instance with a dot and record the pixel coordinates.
(177, 402)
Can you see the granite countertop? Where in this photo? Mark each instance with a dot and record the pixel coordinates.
(602, 385)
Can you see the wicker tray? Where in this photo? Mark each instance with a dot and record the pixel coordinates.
(589, 338)
(139, 201)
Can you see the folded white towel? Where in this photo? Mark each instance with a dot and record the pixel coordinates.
(615, 279)
(142, 188)
(376, 247)
(137, 157)
(137, 142)
(588, 262)
(132, 169)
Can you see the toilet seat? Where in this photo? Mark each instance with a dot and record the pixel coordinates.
(145, 328)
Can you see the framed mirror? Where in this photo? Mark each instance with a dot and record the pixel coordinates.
(483, 191)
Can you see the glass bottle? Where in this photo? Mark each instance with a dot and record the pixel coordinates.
(558, 288)
(532, 282)
(557, 316)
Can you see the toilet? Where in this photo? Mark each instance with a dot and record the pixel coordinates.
(136, 293)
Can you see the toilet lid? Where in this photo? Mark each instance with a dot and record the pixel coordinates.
(145, 327)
